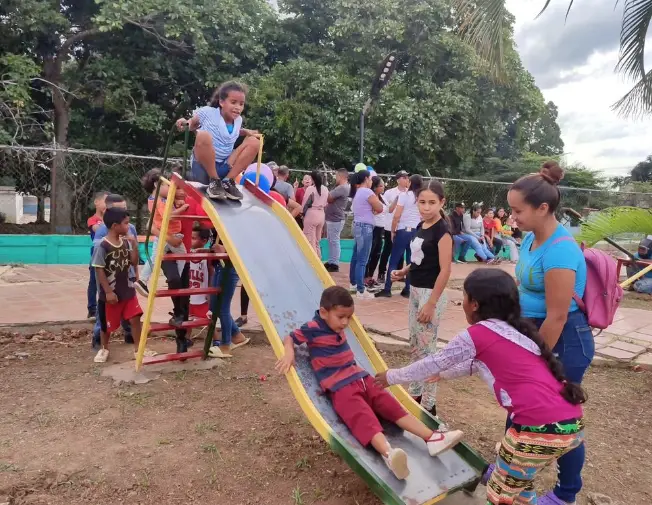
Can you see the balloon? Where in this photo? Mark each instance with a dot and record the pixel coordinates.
(372, 173)
(263, 182)
(264, 170)
(370, 168)
(238, 178)
(359, 167)
(278, 197)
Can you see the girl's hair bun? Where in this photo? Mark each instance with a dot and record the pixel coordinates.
(551, 172)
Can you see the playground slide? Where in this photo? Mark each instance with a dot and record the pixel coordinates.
(284, 280)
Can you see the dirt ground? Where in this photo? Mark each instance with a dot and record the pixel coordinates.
(70, 436)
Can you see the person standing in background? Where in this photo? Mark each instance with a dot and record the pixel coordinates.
(282, 185)
(93, 223)
(300, 192)
(315, 201)
(391, 198)
(335, 217)
(378, 188)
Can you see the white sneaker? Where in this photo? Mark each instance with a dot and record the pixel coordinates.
(440, 442)
(365, 295)
(397, 462)
(353, 288)
(101, 356)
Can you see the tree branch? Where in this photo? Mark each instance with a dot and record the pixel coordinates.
(73, 39)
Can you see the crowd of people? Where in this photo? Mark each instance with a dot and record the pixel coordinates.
(532, 344)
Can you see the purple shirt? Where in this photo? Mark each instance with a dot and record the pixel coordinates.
(362, 211)
(509, 362)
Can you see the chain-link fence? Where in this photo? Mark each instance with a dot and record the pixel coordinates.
(26, 176)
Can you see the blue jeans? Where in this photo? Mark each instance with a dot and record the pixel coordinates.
(362, 236)
(198, 174)
(333, 232)
(229, 328)
(92, 291)
(400, 246)
(575, 349)
(480, 248)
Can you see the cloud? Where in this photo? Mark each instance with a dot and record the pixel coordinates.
(552, 48)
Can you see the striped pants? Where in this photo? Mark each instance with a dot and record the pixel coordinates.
(524, 451)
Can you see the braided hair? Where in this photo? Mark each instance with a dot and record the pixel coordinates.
(496, 294)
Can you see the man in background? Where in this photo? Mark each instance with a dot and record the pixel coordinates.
(335, 216)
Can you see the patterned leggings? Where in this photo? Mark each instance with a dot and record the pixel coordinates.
(423, 340)
(524, 451)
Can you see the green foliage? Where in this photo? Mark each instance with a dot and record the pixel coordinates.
(615, 221)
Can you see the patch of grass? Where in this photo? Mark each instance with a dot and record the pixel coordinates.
(303, 463)
(44, 418)
(297, 496)
(143, 480)
(180, 375)
(8, 467)
(139, 399)
(211, 449)
(204, 427)
(319, 494)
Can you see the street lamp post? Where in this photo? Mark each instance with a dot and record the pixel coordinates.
(385, 71)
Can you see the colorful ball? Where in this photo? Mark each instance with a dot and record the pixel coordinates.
(263, 182)
(359, 167)
(264, 170)
(278, 197)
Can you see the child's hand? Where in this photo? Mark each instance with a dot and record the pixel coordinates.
(397, 275)
(181, 123)
(184, 207)
(284, 364)
(111, 298)
(433, 379)
(381, 379)
(427, 312)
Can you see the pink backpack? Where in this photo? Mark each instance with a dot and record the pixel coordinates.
(603, 293)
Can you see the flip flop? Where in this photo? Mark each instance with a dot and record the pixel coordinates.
(244, 342)
(216, 352)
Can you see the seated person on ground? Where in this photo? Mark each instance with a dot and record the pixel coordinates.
(355, 397)
(644, 284)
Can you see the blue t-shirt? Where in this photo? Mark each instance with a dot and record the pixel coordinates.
(533, 265)
(223, 135)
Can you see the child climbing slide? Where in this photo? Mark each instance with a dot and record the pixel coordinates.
(355, 397)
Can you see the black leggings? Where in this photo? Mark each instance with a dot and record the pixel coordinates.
(175, 281)
(376, 247)
(387, 251)
(244, 302)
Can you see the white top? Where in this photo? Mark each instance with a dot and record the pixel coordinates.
(198, 279)
(224, 136)
(410, 217)
(389, 196)
(380, 219)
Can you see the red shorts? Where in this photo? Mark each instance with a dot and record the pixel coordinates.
(111, 314)
(199, 311)
(358, 404)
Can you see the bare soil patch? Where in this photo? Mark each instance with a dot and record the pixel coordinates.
(235, 436)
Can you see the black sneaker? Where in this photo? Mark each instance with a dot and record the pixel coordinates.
(215, 190)
(405, 293)
(230, 190)
(176, 321)
(461, 260)
(141, 287)
(129, 339)
(383, 293)
(241, 321)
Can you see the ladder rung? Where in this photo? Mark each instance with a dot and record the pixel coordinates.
(192, 217)
(179, 356)
(196, 256)
(195, 323)
(187, 292)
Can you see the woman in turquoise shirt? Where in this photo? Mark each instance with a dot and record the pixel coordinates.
(551, 268)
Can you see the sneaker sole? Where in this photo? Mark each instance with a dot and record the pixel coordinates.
(449, 444)
(399, 465)
(142, 291)
(232, 197)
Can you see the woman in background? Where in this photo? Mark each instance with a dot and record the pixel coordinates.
(378, 187)
(315, 200)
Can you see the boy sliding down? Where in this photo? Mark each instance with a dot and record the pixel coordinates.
(112, 258)
(355, 397)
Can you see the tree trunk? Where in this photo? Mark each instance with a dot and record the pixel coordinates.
(40, 209)
(61, 193)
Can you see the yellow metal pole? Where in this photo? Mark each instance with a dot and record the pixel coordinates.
(156, 271)
(636, 277)
(260, 159)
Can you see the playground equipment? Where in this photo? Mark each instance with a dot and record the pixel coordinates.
(266, 247)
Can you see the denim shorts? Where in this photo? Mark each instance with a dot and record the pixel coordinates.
(199, 174)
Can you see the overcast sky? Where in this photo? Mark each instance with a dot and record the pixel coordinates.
(573, 64)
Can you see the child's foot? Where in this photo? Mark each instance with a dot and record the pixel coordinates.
(397, 461)
(241, 321)
(215, 191)
(232, 193)
(141, 287)
(176, 321)
(440, 442)
(365, 295)
(101, 356)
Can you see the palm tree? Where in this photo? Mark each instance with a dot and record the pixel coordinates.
(615, 221)
(483, 24)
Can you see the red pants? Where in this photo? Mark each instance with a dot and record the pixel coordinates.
(112, 313)
(357, 405)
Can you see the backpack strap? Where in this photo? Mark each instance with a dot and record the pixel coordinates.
(578, 300)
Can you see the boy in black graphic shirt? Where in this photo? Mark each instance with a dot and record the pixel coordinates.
(117, 300)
